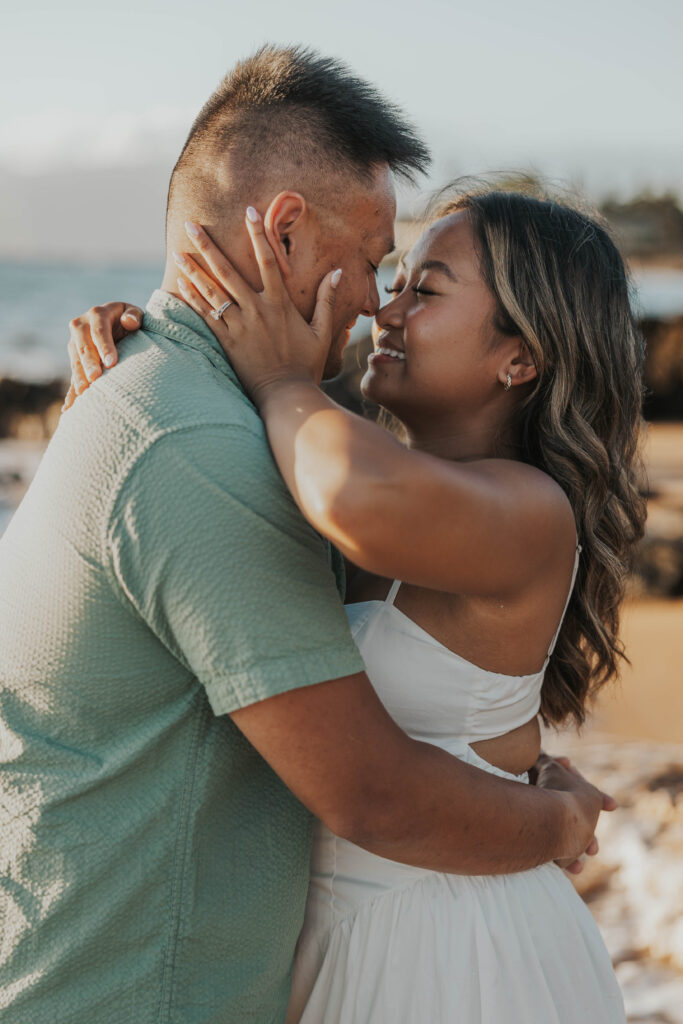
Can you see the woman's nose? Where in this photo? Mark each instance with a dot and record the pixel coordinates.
(390, 314)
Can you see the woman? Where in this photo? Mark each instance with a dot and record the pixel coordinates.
(491, 551)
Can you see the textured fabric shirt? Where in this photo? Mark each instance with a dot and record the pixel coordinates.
(156, 577)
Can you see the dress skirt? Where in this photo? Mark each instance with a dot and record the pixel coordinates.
(384, 943)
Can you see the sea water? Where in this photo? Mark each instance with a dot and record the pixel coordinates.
(38, 300)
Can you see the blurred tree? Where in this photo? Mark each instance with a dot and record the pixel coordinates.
(647, 226)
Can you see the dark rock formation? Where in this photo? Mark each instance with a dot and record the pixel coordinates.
(30, 411)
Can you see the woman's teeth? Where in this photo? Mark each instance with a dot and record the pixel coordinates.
(391, 352)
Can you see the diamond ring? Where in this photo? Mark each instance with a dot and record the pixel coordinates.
(217, 314)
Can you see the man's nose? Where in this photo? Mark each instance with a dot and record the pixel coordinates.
(371, 299)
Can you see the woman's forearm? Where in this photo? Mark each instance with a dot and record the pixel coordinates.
(335, 463)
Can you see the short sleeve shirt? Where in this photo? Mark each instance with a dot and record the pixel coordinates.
(157, 577)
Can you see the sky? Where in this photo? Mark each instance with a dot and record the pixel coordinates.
(587, 92)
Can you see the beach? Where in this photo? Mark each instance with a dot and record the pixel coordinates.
(631, 746)
(647, 703)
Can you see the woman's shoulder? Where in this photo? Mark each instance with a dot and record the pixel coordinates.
(523, 483)
(536, 510)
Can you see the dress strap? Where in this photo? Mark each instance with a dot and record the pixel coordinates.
(393, 591)
(566, 604)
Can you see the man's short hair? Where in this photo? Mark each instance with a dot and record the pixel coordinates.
(290, 109)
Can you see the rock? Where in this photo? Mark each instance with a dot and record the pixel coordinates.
(30, 412)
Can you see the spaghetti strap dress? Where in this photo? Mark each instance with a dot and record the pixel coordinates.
(386, 943)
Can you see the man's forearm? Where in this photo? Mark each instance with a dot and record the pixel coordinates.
(445, 815)
(336, 747)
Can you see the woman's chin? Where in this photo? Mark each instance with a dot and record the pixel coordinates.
(370, 386)
(374, 388)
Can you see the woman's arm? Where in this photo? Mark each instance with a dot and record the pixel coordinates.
(460, 527)
(404, 514)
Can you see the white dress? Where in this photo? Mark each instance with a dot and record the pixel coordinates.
(385, 943)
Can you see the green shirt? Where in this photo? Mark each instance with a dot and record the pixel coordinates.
(156, 577)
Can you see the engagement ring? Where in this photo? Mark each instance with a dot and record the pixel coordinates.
(217, 314)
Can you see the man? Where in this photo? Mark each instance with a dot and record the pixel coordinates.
(180, 688)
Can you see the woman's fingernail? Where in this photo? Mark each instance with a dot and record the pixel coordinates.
(182, 286)
(192, 228)
(179, 258)
(252, 214)
(336, 277)
(109, 360)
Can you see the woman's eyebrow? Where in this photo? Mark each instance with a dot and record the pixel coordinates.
(438, 265)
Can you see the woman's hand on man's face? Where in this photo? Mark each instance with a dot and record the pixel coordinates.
(92, 343)
(263, 334)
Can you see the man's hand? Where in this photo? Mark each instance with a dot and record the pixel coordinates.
(558, 773)
(92, 343)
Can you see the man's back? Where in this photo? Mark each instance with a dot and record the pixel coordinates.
(153, 866)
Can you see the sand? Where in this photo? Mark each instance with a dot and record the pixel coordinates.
(648, 701)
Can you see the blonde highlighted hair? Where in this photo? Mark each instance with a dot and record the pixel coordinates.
(561, 284)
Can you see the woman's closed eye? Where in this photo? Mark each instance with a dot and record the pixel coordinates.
(396, 289)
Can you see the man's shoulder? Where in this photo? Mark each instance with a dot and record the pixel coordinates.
(160, 386)
(161, 406)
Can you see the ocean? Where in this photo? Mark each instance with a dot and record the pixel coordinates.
(38, 300)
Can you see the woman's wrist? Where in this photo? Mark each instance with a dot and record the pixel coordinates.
(271, 390)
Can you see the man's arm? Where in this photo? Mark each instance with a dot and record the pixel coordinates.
(336, 747)
(207, 546)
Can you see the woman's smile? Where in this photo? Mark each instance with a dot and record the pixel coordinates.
(384, 354)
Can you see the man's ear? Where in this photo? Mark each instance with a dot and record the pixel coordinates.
(518, 362)
(285, 220)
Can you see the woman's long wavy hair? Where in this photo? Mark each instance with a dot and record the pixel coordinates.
(561, 284)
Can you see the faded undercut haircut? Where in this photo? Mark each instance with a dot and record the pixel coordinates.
(289, 116)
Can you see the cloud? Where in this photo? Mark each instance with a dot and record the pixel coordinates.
(59, 139)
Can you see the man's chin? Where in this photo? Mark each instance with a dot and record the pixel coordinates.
(335, 358)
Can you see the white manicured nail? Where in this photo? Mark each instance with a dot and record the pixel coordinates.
(336, 277)
(252, 214)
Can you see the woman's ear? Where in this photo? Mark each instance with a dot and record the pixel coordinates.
(284, 221)
(518, 363)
